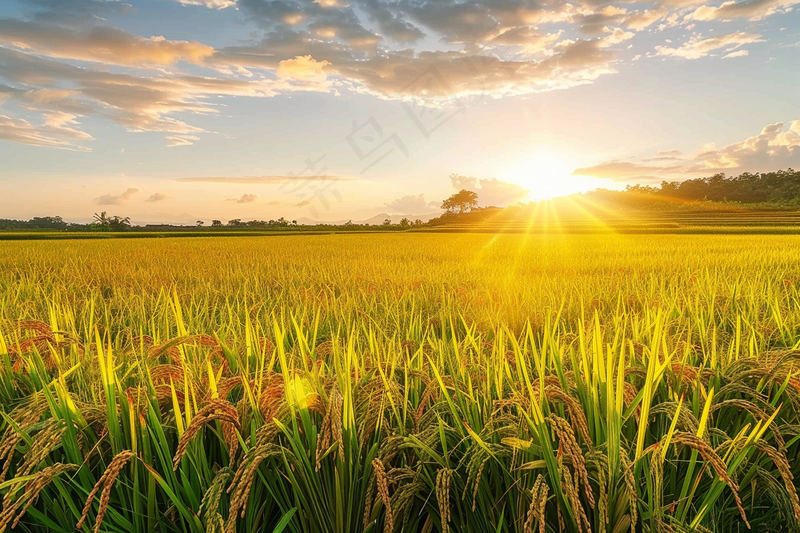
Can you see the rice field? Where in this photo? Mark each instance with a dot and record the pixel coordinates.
(401, 383)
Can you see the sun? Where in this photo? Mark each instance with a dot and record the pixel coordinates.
(549, 176)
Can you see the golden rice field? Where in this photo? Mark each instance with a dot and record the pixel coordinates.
(401, 382)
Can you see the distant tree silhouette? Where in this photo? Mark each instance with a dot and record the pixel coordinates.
(101, 219)
(103, 222)
(463, 201)
(781, 187)
(49, 222)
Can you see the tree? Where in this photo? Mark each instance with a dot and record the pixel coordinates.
(387, 222)
(103, 222)
(119, 223)
(463, 201)
(216, 223)
(48, 222)
(200, 223)
(405, 223)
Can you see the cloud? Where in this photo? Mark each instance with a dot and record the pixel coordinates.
(616, 36)
(101, 44)
(181, 140)
(776, 147)
(56, 131)
(245, 199)
(259, 180)
(303, 68)
(75, 12)
(303, 203)
(625, 171)
(211, 4)
(666, 155)
(116, 199)
(491, 192)
(65, 57)
(439, 75)
(156, 197)
(391, 24)
(474, 22)
(748, 9)
(698, 47)
(136, 101)
(737, 53)
(410, 204)
(641, 20)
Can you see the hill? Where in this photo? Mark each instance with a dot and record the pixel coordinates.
(698, 205)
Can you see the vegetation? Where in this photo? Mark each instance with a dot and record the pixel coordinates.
(461, 202)
(720, 195)
(416, 383)
(103, 222)
(781, 188)
(48, 223)
(726, 198)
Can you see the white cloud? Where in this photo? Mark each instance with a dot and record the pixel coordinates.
(737, 53)
(698, 47)
(747, 9)
(776, 147)
(211, 4)
(303, 68)
(181, 140)
(471, 48)
(103, 44)
(56, 131)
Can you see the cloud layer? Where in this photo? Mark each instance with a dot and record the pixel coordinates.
(64, 60)
(777, 146)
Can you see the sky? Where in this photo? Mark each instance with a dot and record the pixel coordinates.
(171, 111)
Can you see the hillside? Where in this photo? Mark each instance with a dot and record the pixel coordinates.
(670, 208)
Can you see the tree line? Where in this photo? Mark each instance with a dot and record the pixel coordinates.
(103, 222)
(781, 187)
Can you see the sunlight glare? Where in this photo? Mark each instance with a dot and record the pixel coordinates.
(548, 176)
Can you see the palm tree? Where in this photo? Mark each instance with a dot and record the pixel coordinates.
(102, 218)
(102, 221)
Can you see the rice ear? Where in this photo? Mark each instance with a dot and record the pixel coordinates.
(106, 481)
